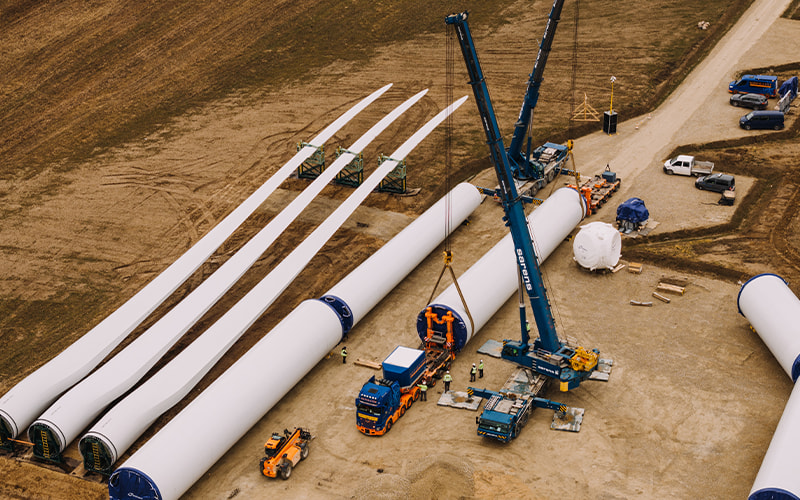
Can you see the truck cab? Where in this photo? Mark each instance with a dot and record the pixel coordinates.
(382, 401)
(375, 405)
(502, 418)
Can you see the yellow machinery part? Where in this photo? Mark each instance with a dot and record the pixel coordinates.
(583, 360)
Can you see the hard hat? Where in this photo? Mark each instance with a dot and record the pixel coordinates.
(448, 371)
(473, 364)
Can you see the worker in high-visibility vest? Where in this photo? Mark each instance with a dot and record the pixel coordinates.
(472, 373)
(447, 379)
(480, 369)
(344, 354)
(423, 390)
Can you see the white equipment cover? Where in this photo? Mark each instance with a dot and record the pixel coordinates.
(172, 460)
(777, 478)
(491, 281)
(124, 423)
(772, 309)
(76, 409)
(29, 398)
(597, 245)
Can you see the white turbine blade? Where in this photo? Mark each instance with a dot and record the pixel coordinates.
(127, 420)
(27, 399)
(76, 408)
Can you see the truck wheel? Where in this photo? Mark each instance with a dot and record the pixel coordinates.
(304, 451)
(286, 470)
(416, 397)
(402, 410)
(388, 425)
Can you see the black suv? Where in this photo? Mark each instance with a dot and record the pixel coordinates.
(716, 182)
(752, 101)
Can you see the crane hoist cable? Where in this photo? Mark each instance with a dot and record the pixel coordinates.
(570, 142)
(570, 131)
(571, 126)
(450, 48)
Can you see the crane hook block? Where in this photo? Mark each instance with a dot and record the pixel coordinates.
(448, 257)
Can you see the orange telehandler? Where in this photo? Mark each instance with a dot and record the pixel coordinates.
(284, 451)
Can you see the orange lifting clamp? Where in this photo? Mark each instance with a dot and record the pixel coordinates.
(433, 318)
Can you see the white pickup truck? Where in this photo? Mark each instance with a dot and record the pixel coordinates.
(687, 165)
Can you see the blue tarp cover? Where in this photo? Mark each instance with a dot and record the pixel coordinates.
(633, 210)
(789, 85)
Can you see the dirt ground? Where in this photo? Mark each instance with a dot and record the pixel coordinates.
(694, 396)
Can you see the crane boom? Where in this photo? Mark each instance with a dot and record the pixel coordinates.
(512, 203)
(548, 355)
(517, 160)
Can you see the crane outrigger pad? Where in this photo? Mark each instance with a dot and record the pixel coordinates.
(603, 370)
(491, 348)
(569, 421)
(459, 399)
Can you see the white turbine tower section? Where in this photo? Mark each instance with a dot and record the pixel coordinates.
(26, 400)
(777, 478)
(76, 409)
(772, 309)
(491, 281)
(172, 460)
(124, 423)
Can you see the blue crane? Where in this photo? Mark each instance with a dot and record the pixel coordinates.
(547, 355)
(522, 166)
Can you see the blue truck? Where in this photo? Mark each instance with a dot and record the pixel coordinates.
(507, 411)
(382, 401)
(545, 163)
(755, 84)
